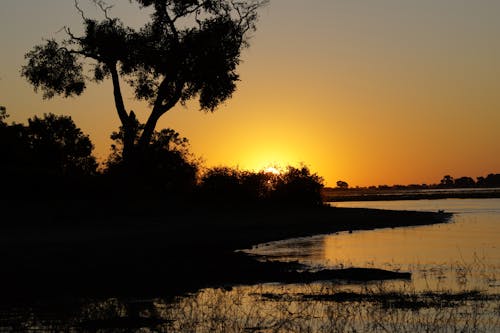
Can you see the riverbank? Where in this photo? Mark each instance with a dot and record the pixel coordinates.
(166, 253)
(375, 194)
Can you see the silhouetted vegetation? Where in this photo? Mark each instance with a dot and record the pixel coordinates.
(166, 168)
(293, 186)
(448, 187)
(188, 50)
(447, 182)
(342, 184)
(50, 156)
(53, 157)
(3, 115)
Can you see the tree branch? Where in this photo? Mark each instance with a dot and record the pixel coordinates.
(189, 11)
(104, 7)
(171, 24)
(82, 14)
(159, 109)
(120, 106)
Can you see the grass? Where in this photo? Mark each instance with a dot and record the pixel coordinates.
(282, 308)
(74, 272)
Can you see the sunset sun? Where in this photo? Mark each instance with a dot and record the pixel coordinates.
(272, 169)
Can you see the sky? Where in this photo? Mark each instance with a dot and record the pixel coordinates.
(366, 91)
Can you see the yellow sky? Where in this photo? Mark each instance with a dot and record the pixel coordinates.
(370, 92)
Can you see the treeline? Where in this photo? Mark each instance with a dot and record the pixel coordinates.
(447, 182)
(491, 180)
(50, 157)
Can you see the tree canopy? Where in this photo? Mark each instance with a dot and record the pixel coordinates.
(49, 155)
(59, 146)
(189, 49)
(167, 167)
(3, 116)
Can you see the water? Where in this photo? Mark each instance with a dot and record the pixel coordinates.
(455, 258)
(463, 254)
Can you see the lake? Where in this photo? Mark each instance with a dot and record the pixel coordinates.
(454, 286)
(462, 254)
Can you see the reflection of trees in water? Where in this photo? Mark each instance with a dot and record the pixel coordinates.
(299, 308)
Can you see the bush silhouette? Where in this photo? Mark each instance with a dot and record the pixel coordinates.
(49, 156)
(295, 186)
(165, 168)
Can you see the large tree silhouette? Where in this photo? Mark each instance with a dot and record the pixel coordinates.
(189, 49)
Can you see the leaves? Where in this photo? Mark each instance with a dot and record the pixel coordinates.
(54, 70)
(58, 143)
(190, 49)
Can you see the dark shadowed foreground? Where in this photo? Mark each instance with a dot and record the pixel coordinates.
(66, 249)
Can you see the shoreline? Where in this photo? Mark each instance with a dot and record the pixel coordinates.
(173, 254)
(339, 195)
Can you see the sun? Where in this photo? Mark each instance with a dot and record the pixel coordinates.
(273, 170)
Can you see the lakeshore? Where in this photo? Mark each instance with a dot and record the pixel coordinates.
(168, 253)
(374, 194)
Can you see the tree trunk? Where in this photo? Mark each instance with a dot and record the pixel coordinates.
(128, 120)
(129, 135)
(149, 128)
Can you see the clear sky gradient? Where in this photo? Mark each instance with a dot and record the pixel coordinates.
(370, 92)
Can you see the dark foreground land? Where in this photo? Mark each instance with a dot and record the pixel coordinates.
(68, 249)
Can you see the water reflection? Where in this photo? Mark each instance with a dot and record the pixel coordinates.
(448, 262)
(464, 253)
(320, 307)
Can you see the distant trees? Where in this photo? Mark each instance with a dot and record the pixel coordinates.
(447, 181)
(464, 182)
(492, 180)
(189, 49)
(3, 115)
(342, 184)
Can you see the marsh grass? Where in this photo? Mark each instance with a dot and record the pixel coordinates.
(328, 306)
(317, 307)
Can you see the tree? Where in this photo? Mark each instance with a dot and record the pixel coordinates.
(189, 49)
(57, 146)
(447, 181)
(342, 184)
(3, 116)
(50, 155)
(167, 167)
(464, 182)
(298, 186)
(293, 186)
(14, 149)
(492, 180)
